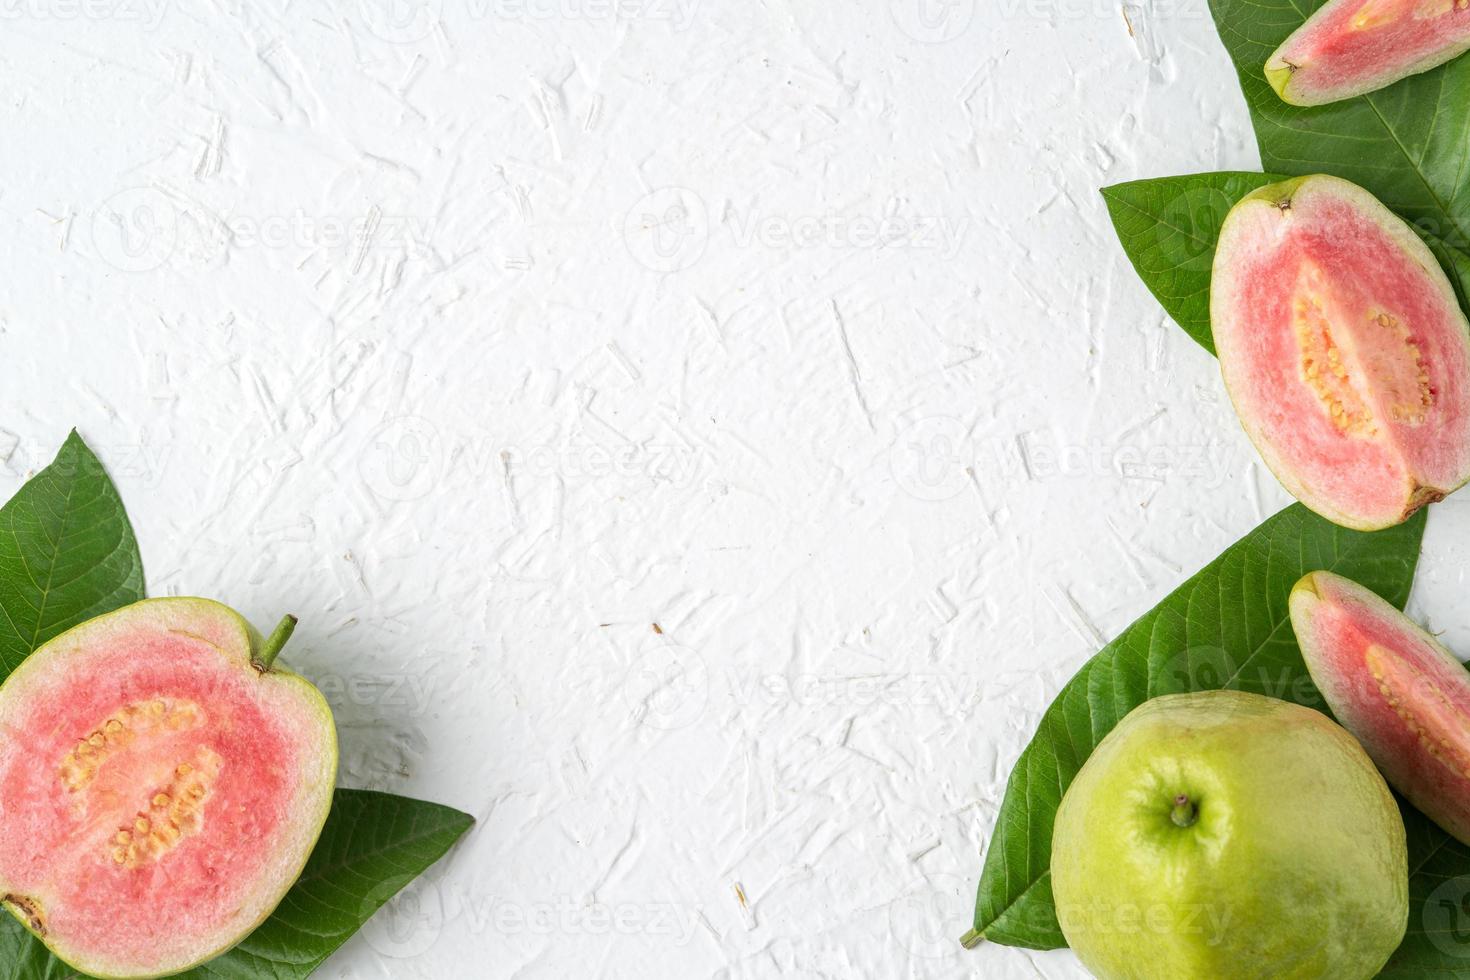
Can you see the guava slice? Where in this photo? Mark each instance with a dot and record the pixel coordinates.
(1353, 47)
(1344, 351)
(1404, 696)
(162, 784)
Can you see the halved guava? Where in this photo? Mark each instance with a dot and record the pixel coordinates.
(1353, 47)
(162, 784)
(1344, 351)
(1405, 697)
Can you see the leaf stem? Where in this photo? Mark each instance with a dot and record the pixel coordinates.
(971, 939)
(273, 644)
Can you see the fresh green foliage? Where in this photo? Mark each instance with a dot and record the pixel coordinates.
(67, 554)
(1227, 627)
(372, 846)
(1169, 227)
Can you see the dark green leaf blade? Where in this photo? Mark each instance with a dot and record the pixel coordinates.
(67, 553)
(1227, 627)
(373, 845)
(1169, 227)
(1409, 143)
(1438, 940)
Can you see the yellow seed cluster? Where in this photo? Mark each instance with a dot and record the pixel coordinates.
(79, 766)
(1326, 373)
(173, 813)
(1409, 407)
(1440, 747)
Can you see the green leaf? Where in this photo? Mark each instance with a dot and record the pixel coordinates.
(1227, 627)
(1438, 940)
(67, 553)
(373, 845)
(1409, 143)
(1169, 227)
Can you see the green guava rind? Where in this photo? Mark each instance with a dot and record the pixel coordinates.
(239, 641)
(1235, 334)
(1290, 70)
(1296, 866)
(1413, 715)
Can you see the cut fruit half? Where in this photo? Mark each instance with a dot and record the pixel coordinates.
(1344, 351)
(1405, 697)
(1353, 47)
(162, 786)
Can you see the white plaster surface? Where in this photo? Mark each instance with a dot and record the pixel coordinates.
(487, 334)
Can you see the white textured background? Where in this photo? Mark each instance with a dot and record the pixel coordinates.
(486, 335)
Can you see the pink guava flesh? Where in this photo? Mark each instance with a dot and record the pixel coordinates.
(1353, 47)
(1405, 697)
(160, 794)
(1344, 351)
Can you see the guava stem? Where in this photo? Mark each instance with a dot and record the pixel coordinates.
(275, 642)
(971, 939)
(1185, 812)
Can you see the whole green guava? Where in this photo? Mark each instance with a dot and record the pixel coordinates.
(1225, 834)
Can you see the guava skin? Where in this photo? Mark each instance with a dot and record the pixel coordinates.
(1226, 834)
